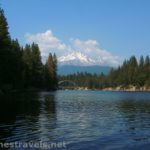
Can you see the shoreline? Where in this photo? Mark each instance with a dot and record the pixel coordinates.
(130, 88)
(111, 89)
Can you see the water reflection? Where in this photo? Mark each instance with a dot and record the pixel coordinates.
(18, 104)
(84, 119)
(47, 118)
(26, 116)
(134, 109)
(136, 114)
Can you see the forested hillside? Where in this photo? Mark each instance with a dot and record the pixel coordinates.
(130, 73)
(21, 67)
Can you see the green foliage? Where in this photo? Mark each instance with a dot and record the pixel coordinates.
(51, 72)
(130, 73)
(91, 81)
(33, 67)
(22, 67)
(17, 64)
(4, 34)
(5, 51)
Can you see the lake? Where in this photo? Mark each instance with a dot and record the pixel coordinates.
(83, 120)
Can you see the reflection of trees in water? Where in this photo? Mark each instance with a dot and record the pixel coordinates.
(50, 104)
(18, 104)
(47, 117)
(20, 113)
(16, 111)
(136, 114)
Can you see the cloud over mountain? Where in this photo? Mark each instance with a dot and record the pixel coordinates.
(47, 42)
(77, 52)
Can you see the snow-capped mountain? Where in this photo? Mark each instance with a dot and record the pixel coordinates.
(78, 62)
(76, 58)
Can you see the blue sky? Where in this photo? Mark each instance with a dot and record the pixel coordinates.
(119, 27)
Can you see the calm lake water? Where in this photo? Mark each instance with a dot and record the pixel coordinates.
(84, 120)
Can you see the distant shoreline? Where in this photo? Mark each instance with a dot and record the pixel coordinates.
(130, 88)
(111, 89)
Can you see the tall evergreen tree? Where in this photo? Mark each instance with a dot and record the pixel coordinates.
(22, 67)
(141, 74)
(55, 80)
(17, 64)
(37, 66)
(132, 70)
(5, 51)
(147, 62)
(51, 72)
(4, 33)
(147, 71)
(142, 62)
(27, 61)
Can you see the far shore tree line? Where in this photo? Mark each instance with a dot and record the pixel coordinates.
(22, 67)
(131, 72)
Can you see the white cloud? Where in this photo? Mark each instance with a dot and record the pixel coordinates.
(89, 48)
(47, 42)
(92, 49)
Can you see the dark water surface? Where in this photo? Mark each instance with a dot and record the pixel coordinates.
(85, 120)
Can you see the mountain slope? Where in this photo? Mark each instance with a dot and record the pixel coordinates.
(76, 58)
(70, 69)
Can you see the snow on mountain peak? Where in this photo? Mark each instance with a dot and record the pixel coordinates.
(75, 58)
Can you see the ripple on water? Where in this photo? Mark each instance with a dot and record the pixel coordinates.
(83, 119)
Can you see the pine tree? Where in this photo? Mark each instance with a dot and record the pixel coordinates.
(17, 64)
(27, 61)
(37, 66)
(22, 67)
(5, 52)
(132, 70)
(49, 73)
(147, 71)
(142, 62)
(141, 76)
(55, 80)
(4, 34)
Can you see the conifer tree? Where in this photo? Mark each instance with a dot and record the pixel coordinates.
(55, 80)
(49, 72)
(37, 66)
(27, 61)
(22, 67)
(4, 33)
(5, 51)
(17, 64)
(141, 74)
